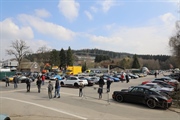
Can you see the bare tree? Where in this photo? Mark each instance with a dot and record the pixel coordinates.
(43, 54)
(174, 42)
(19, 49)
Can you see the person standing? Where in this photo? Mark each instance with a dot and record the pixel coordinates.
(100, 91)
(127, 78)
(101, 82)
(122, 76)
(28, 84)
(108, 85)
(7, 81)
(80, 89)
(38, 83)
(50, 89)
(43, 78)
(15, 81)
(155, 74)
(57, 89)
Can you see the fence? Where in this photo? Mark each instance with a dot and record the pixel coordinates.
(91, 93)
(3, 74)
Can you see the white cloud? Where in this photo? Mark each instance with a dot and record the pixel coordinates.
(167, 18)
(10, 32)
(88, 14)
(8, 27)
(69, 8)
(150, 39)
(47, 28)
(107, 4)
(94, 9)
(42, 13)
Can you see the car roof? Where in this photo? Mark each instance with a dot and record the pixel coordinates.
(151, 83)
(143, 86)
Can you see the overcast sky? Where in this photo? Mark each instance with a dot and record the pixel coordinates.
(131, 26)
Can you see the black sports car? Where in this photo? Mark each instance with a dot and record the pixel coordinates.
(143, 94)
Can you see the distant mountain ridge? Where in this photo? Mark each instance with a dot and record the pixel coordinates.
(94, 52)
(111, 54)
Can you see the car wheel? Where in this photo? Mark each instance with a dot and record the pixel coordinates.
(151, 103)
(76, 85)
(62, 84)
(119, 98)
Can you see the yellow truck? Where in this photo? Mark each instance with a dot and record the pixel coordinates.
(73, 70)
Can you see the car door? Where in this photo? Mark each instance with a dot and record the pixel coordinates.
(71, 80)
(136, 95)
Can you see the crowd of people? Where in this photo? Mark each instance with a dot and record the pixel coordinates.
(41, 81)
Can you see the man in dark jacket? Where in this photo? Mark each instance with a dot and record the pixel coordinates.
(101, 83)
(127, 78)
(57, 89)
(28, 83)
(15, 81)
(38, 83)
(7, 81)
(108, 85)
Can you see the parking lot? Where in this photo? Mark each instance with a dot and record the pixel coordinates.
(20, 105)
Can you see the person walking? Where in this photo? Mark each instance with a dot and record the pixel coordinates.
(43, 78)
(15, 81)
(28, 84)
(50, 89)
(101, 82)
(100, 91)
(7, 81)
(108, 85)
(57, 89)
(127, 78)
(38, 83)
(80, 89)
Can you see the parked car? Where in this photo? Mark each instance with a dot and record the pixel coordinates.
(133, 76)
(170, 81)
(144, 95)
(73, 81)
(90, 81)
(11, 77)
(22, 79)
(54, 77)
(4, 117)
(164, 84)
(111, 78)
(115, 79)
(95, 79)
(49, 74)
(159, 87)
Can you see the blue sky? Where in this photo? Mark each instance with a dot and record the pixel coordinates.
(131, 26)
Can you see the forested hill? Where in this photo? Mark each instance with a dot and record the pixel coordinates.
(94, 52)
(111, 54)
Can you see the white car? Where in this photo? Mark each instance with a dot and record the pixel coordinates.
(73, 81)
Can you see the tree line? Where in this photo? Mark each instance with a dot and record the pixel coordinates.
(63, 58)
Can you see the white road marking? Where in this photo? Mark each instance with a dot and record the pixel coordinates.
(53, 109)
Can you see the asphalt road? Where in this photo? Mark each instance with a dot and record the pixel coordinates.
(20, 105)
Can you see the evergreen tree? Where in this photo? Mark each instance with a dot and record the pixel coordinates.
(62, 56)
(69, 57)
(54, 58)
(135, 63)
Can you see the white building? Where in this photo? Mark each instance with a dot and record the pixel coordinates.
(10, 63)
